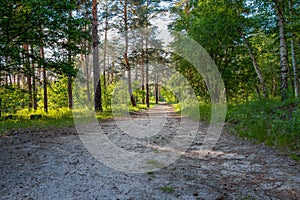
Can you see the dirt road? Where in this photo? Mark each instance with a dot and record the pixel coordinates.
(54, 164)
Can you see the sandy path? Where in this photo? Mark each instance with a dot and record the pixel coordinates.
(54, 164)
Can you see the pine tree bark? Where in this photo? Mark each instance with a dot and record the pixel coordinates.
(105, 43)
(34, 89)
(156, 88)
(147, 60)
(96, 66)
(87, 47)
(70, 79)
(127, 64)
(44, 80)
(147, 75)
(28, 69)
(143, 74)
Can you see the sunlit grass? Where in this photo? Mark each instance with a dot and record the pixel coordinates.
(58, 118)
(21, 120)
(272, 122)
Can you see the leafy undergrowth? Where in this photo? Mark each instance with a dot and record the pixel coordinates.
(202, 113)
(271, 122)
(58, 118)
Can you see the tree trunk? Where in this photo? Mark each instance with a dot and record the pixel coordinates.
(104, 55)
(34, 89)
(44, 81)
(105, 43)
(294, 63)
(132, 99)
(29, 73)
(70, 95)
(295, 72)
(283, 52)
(156, 88)
(96, 66)
(18, 79)
(147, 60)
(147, 74)
(10, 79)
(87, 61)
(255, 64)
(143, 74)
(113, 71)
(108, 70)
(87, 47)
(136, 71)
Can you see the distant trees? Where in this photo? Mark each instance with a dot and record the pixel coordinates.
(47, 42)
(39, 38)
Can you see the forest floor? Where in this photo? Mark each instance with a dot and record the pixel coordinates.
(54, 163)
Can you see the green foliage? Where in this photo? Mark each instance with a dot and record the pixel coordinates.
(202, 113)
(272, 122)
(13, 99)
(39, 23)
(57, 94)
(167, 95)
(138, 93)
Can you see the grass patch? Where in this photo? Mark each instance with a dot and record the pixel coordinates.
(58, 118)
(167, 189)
(155, 151)
(267, 121)
(271, 122)
(21, 120)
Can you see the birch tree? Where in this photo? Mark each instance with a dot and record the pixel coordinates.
(279, 8)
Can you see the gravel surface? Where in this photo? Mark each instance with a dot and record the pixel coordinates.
(54, 164)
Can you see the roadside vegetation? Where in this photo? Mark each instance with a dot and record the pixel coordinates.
(58, 118)
(269, 121)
